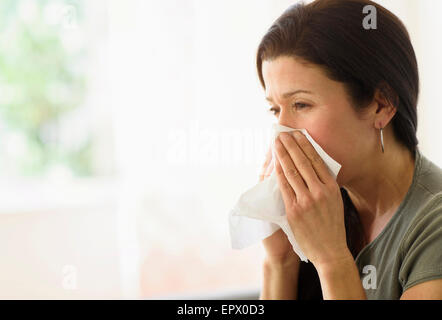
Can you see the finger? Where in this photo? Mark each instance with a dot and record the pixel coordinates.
(268, 158)
(288, 195)
(301, 161)
(264, 176)
(268, 171)
(316, 161)
(265, 167)
(290, 171)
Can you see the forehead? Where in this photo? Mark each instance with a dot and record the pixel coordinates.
(285, 74)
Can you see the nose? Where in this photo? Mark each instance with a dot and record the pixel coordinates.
(286, 118)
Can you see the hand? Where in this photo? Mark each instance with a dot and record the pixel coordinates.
(277, 246)
(312, 199)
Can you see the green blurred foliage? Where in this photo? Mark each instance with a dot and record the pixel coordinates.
(42, 80)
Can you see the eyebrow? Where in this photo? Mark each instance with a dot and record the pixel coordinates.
(289, 94)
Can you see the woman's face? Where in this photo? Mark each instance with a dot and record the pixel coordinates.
(302, 96)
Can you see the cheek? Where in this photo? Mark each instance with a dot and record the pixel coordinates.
(333, 127)
(332, 141)
(325, 138)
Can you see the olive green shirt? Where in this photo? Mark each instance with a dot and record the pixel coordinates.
(408, 251)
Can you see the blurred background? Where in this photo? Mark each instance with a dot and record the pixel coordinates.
(128, 130)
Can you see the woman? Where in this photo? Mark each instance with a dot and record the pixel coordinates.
(376, 231)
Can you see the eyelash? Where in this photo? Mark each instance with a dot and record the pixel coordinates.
(274, 111)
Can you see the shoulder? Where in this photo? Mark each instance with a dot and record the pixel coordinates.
(420, 251)
(430, 178)
(426, 205)
(427, 219)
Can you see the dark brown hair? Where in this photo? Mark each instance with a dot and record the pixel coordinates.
(330, 34)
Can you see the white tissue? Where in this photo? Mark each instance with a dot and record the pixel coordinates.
(260, 210)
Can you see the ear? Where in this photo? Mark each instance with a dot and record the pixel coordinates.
(387, 101)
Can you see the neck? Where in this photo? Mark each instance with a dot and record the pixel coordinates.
(382, 185)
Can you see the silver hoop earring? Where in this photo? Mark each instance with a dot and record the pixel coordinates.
(382, 141)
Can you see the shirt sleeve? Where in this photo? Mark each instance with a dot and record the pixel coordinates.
(422, 248)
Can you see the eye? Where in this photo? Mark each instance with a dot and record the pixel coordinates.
(274, 111)
(300, 105)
